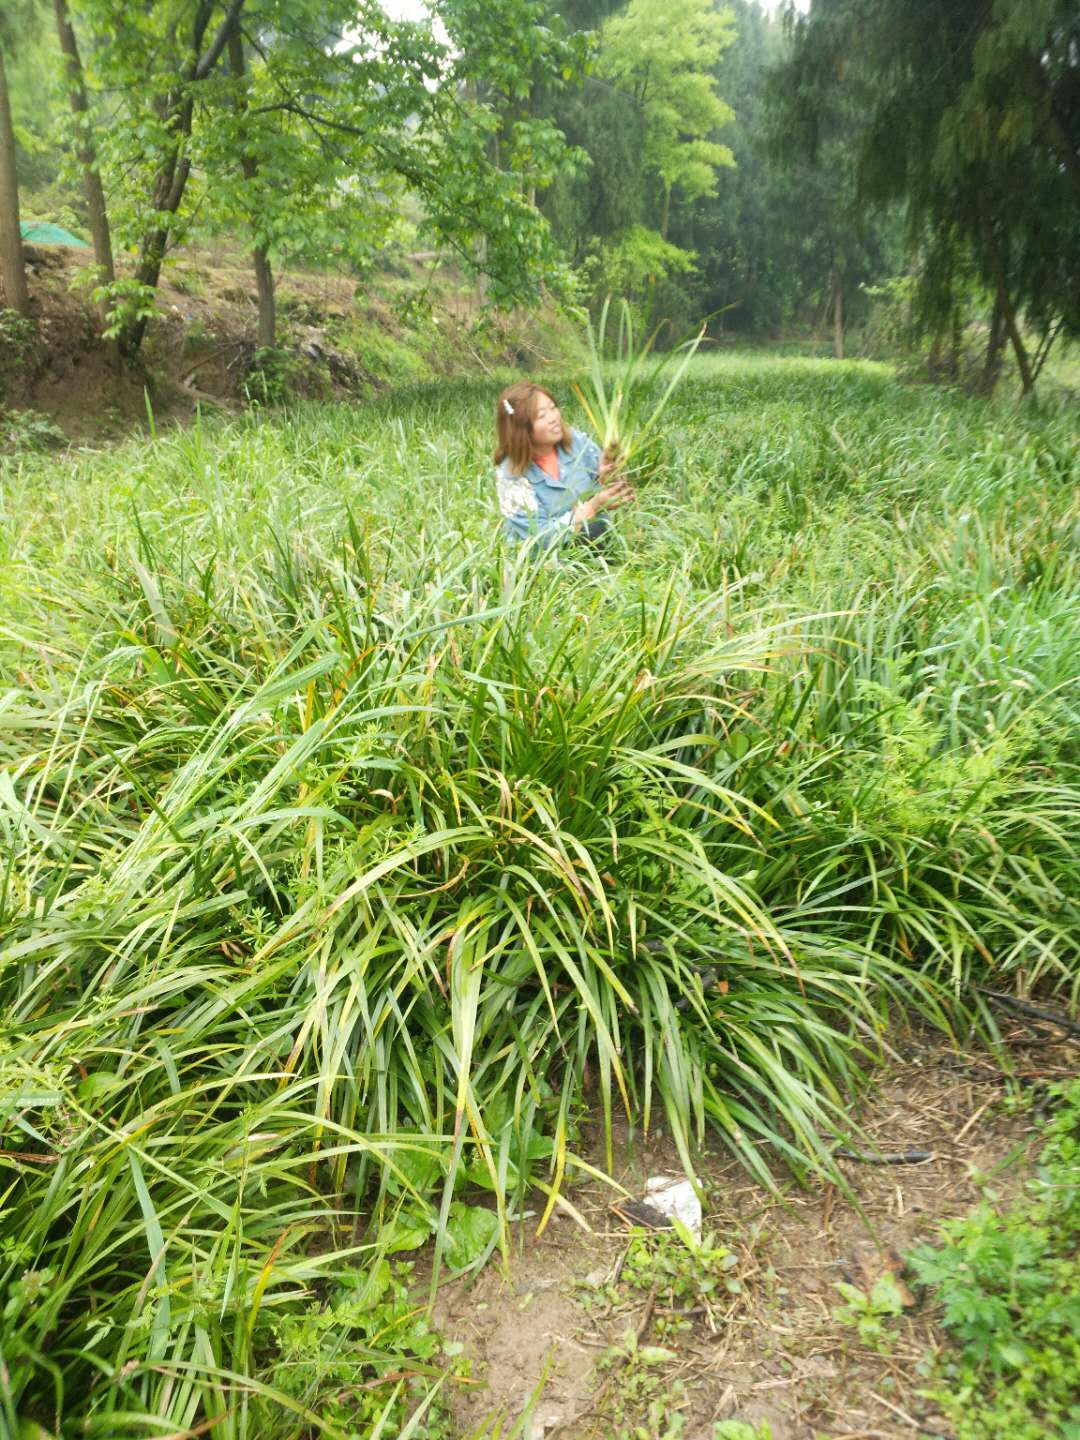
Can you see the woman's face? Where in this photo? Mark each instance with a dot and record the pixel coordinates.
(547, 424)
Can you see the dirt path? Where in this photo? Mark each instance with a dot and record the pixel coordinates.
(773, 1350)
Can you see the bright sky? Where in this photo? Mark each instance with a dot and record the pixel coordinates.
(415, 9)
(418, 10)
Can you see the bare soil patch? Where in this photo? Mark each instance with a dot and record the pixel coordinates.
(198, 351)
(340, 335)
(775, 1351)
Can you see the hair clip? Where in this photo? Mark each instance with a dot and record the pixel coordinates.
(508, 407)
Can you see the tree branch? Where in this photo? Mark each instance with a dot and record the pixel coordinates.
(212, 55)
(1042, 354)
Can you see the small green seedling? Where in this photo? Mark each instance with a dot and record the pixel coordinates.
(741, 1430)
(682, 1273)
(868, 1312)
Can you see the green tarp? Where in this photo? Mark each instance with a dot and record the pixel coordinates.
(40, 232)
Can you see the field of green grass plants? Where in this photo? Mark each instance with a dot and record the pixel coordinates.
(350, 865)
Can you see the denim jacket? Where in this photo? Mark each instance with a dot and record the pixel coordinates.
(534, 504)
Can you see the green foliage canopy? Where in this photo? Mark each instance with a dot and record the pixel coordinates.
(970, 116)
(342, 109)
(663, 57)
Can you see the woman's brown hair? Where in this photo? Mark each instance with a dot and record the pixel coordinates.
(515, 410)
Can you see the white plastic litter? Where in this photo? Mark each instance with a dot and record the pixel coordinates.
(541, 1422)
(675, 1197)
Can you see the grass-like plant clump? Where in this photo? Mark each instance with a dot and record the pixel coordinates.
(628, 387)
(347, 861)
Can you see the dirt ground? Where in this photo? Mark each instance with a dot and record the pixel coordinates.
(201, 344)
(193, 354)
(774, 1351)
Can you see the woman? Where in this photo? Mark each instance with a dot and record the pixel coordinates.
(548, 475)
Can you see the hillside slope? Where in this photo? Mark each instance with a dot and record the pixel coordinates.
(411, 322)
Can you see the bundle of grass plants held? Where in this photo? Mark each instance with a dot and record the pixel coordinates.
(629, 386)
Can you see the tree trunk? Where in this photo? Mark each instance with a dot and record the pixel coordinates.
(95, 196)
(1042, 354)
(991, 368)
(169, 186)
(264, 287)
(176, 112)
(12, 268)
(838, 315)
(820, 317)
(481, 260)
(264, 275)
(1023, 364)
(665, 214)
(956, 343)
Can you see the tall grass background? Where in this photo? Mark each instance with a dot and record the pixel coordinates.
(349, 863)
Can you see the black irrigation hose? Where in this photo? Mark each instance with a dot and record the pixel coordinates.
(1031, 1012)
(899, 1157)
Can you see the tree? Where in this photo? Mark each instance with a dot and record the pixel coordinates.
(299, 122)
(31, 66)
(773, 237)
(510, 57)
(607, 196)
(12, 268)
(96, 212)
(969, 114)
(281, 160)
(266, 334)
(838, 243)
(662, 55)
(158, 62)
(1014, 128)
(644, 120)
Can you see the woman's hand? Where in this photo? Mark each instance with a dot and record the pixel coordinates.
(615, 493)
(609, 497)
